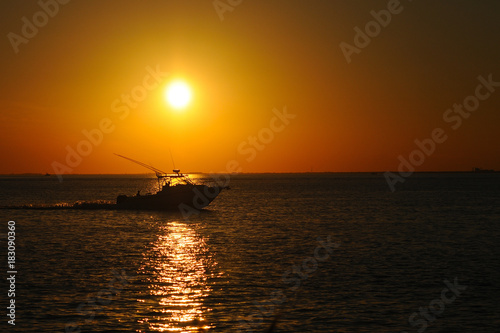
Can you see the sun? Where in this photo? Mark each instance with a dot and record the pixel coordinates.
(178, 94)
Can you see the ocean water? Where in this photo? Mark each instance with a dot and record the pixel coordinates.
(309, 252)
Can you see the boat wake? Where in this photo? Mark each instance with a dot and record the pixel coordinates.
(87, 205)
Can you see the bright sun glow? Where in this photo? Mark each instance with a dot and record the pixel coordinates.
(178, 94)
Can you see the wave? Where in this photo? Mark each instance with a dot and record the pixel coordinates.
(88, 205)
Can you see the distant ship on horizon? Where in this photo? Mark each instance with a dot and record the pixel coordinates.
(479, 170)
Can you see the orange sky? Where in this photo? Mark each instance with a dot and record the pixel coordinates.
(264, 56)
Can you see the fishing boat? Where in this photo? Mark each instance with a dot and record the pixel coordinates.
(176, 191)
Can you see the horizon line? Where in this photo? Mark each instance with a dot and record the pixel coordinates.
(243, 173)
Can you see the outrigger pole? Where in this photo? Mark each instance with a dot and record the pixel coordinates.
(159, 173)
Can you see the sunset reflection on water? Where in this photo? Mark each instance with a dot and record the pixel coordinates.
(177, 272)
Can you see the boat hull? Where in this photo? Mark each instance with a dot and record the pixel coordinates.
(171, 198)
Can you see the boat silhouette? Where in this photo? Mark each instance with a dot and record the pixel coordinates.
(176, 191)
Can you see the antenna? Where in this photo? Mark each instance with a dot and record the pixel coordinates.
(173, 163)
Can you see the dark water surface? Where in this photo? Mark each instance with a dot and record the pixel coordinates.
(323, 252)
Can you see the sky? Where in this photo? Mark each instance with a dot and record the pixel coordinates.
(277, 86)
